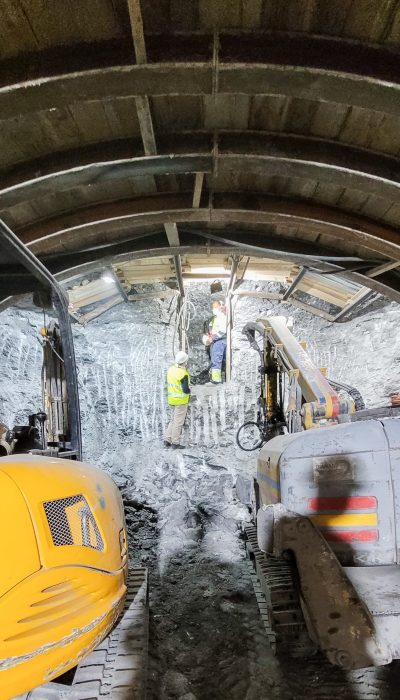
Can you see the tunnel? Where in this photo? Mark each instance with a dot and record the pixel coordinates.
(161, 159)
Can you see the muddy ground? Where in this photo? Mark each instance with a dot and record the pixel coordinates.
(206, 637)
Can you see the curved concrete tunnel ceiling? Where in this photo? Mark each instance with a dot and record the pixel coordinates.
(135, 129)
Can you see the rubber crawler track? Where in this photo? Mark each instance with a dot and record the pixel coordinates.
(278, 600)
(117, 668)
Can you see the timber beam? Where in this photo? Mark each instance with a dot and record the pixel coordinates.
(382, 269)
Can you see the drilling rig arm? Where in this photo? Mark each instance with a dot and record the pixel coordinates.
(321, 401)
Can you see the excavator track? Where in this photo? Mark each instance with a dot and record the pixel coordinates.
(274, 583)
(117, 668)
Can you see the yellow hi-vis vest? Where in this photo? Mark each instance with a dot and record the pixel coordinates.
(176, 395)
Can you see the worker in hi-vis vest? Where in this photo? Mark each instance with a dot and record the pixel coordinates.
(217, 333)
(178, 380)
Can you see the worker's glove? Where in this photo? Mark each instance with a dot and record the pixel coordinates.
(206, 340)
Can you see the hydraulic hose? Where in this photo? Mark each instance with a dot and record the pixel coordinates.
(352, 391)
(250, 330)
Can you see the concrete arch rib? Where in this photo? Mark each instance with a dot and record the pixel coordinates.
(100, 223)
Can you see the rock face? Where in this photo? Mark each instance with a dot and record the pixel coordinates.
(123, 356)
(364, 352)
(206, 639)
(20, 365)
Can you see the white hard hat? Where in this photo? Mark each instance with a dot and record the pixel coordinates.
(181, 358)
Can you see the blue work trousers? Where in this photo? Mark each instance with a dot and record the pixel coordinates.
(218, 349)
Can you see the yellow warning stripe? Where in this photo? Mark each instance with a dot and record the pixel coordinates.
(344, 520)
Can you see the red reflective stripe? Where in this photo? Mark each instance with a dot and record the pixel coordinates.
(352, 536)
(342, 503)
(335, 406)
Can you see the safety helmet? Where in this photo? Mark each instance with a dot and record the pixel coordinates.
(181, 358)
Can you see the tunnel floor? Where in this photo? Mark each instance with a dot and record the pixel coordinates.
(207, 641)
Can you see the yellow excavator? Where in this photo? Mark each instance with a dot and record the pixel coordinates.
(63, 547)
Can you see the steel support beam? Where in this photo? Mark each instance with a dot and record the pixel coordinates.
(98, 222)
(313, 159)
(233, 273)
(242, 274)
(275, 296)
(186, 79)
(184, 148)
(69, 266)
(122, 291)
(125, 241)
(361, 296)
(365, 76)
(229, 314)
(294, 284)
(66, 266)
(57, 92)
(179, 277)
(331, 54)
(107, 171)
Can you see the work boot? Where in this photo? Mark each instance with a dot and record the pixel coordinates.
(167, 443)
(178, 447)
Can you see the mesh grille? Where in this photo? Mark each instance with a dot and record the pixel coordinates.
(72, 522)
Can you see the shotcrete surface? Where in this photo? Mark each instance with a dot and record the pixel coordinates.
(206, 637)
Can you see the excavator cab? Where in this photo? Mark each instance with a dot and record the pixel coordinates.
(63, 546)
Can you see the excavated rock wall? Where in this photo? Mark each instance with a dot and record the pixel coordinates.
(20, 365)
(123, 356)
(363, 352)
